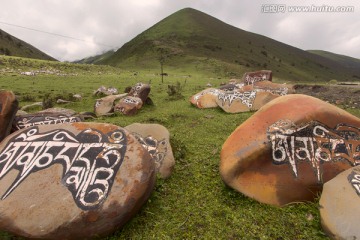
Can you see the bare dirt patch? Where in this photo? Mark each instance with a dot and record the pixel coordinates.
(346, 96)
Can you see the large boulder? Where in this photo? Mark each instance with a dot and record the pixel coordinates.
(340, 205)
(8, 108)
(206, 98)
(156, 139)
(72, 181)
(243, 101)
(286, 151)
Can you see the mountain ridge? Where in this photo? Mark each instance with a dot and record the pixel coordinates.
(193, 38)
(12, 46)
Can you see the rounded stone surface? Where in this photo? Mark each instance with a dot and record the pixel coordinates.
(156, 139)
(281, 153)
(72, 181)
(340, 205)
(206, 98)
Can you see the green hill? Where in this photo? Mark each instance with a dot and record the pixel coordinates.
(192, 40)
(12, 46)
(348, 62)
(96, 59)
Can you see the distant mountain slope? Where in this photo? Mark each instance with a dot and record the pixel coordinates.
(346, 61)
(12, 46)
(96, 59)
(190, 38)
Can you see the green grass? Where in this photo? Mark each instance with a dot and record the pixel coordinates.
(193, 203)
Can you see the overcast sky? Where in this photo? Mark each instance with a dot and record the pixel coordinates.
(95, 26)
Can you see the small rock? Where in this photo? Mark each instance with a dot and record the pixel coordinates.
(60, 101)
(206, 98)
(156, 139)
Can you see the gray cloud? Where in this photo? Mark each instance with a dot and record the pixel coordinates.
(103, 25)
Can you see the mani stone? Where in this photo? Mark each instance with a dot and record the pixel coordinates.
(250, 78)
(286, 151)
(34, 119)
(156, 139)
(72, 181)
(243, 101)
(105, 106)
(206, 98)
(140, 90)
(340, 205)
(128, 105)
(8, 108)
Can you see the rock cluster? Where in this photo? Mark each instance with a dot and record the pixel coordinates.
(238, 97)
(126, 103)
(249, 78)
(81, 180)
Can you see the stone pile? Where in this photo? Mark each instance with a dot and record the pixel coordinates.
(286, 151)
(126, 103)
(249, 78)
(238, 97)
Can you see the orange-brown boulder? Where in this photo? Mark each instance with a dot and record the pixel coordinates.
(206, 98)
(287, 150)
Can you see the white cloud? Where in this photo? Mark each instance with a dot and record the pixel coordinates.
(114, 23)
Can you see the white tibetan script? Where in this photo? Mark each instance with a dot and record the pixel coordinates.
(90, 159)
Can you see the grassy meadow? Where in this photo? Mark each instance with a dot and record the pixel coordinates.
(193, 203)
